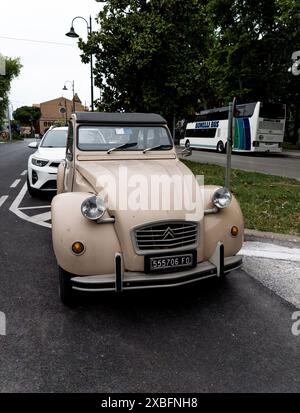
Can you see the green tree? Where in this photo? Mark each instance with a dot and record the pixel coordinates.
(26, 115)
(149, 55)
(12, 70)
(252, 48)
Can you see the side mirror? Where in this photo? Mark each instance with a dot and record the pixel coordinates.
(69, 156)
(33, 145)
(187, 152)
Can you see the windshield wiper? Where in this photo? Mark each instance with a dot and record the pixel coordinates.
(156, 148)
(124, 146)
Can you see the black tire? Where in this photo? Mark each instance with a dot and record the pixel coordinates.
(187, 144)
(66, 293)
(32, 192)
(220, 147)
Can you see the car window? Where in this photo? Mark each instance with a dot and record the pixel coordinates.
(103, 138)
(55, 139)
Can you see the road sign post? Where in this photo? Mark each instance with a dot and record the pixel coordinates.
(229, 142)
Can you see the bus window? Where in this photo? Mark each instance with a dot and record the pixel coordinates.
(246, 110)
(272, 111)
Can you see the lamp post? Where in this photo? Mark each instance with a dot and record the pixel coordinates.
(73, 91)
(73, 34)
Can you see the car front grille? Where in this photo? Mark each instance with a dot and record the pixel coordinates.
(49, 185)
(166, 236)
(55, 164)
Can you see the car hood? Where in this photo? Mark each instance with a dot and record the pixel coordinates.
(136, 184)
(124, 183)
(53, 154)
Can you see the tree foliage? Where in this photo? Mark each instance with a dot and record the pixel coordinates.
(174, 56)
(149, 54)
(26, 115)
(253, 44)
(12, 70)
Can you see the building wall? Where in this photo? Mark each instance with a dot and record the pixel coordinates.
(51, 114)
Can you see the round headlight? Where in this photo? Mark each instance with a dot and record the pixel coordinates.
(222, 198)
(93, 208)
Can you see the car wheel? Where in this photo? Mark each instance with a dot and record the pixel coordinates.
(66, 293)
(32, 192)
(187, 144)
(220, 147)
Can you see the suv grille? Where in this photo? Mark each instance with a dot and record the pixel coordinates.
(168, 235)
(55, 164)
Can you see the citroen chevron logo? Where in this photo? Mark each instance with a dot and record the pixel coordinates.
(168, 234)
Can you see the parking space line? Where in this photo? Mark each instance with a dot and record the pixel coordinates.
(16, 183)
(41, 217)
(3, 199)
(24, 173)
(15, 209)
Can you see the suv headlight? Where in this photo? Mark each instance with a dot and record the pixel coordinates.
(93, 208)
(222, 198)
(38, 162)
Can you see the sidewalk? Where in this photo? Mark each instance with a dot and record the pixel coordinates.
(274, 260)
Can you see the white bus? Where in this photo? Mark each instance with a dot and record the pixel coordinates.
(258, 127)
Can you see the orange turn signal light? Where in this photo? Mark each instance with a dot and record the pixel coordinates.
(78, 247)
(234, 231)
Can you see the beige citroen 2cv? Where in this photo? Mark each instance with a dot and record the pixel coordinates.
(129, 214)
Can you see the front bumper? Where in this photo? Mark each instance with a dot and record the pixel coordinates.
(46, 177)
(121, 281)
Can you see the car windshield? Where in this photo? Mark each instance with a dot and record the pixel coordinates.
(129, 138)
(55, 139)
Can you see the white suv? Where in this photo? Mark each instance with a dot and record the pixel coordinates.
(43, 164)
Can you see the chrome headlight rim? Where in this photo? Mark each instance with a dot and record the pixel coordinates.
(37, 161)
(93, 208)
(222, 198)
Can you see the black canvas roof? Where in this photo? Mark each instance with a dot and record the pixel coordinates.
(116, 117)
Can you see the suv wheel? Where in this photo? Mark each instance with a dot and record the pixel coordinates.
(66, 293)
(187, 144)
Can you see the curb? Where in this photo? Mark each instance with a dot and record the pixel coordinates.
(291, 241)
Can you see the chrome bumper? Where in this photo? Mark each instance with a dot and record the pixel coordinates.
(121, 281)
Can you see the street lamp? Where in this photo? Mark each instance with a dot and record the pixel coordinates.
(73, 91)
(71, 33)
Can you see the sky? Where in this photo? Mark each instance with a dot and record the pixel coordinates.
(46, 66)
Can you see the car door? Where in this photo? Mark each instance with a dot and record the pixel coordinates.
(69, 163)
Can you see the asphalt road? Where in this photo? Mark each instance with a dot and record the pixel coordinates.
(233, 336)
(272, 164)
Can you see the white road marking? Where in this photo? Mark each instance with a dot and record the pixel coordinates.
(41, 217)
(24, 173)
(16, 183)
(15, 209)
(3, 199)
(264, 250)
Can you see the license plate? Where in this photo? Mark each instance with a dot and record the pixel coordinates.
(170, 262)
